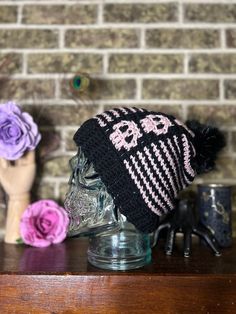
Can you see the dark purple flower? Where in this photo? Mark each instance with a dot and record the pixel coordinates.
(18, 132)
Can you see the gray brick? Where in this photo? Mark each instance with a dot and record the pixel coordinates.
(142, 63)
(210, 12)
(8, 14)
(180, 89)
(64, 63)
(182, 38)
(141, 13)
(102, 38)
(59, 14)
(213, 63)
(28, 38)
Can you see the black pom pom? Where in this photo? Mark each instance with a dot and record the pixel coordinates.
(208, 141)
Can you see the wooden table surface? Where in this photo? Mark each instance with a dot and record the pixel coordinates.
(58, 279)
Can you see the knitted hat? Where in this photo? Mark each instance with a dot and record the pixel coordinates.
(144, 159)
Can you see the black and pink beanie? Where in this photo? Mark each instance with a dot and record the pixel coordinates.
(144, 158)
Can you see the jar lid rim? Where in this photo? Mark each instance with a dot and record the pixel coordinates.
(214, 185)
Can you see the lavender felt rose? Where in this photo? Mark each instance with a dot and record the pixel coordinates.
(44, 223)
(18, 132)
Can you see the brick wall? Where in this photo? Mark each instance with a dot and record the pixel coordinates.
(178, 57)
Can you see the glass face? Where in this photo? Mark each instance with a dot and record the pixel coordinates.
(88, 203)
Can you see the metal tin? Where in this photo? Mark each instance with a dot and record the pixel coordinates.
(214, 204)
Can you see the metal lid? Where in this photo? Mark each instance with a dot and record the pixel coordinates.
(214, 185)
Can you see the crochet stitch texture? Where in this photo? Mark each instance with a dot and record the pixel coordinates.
(144, 158)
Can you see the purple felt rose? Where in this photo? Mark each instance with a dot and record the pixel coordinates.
(18, 132)
(43, 223)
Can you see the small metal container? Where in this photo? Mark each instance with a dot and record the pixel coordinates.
(214, 204)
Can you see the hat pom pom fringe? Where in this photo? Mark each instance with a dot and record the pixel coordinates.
(208, 141)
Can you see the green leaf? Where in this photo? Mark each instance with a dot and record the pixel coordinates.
(19, 241)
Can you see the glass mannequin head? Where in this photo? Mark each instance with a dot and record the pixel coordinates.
(90, 206)
(114, 243)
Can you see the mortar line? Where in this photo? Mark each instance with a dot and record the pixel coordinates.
(130, 25)
(61, 39)
(100, 14)
(73, 2)
(152, 101)
(19, 14)
(223, 39)
(138, 94)
(101, 51)
(119, 76)
(57, 89)
(24, 64)
(180, 12)
(221, 90)
(186, 63)
(142, 39)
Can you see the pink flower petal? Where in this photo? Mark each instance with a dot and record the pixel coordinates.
(43, 223)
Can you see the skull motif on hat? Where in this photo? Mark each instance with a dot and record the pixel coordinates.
(125, 135)
(158, 124)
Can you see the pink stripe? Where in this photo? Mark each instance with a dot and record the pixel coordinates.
(115, 113)
(167, 172)
(147, 185)
(177, 161)
(124, 110)
(147, 152)
(153, 179)
(184, 126)
(132, 109)
(187, 157)
(176, 143)
(185, 178)
(100, 122)
(173, 165)
(142, 192)
(107, 117)
(180, 152)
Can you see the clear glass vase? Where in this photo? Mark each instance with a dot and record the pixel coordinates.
(123, 250)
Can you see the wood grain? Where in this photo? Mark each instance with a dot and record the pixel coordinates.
(59, 280)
